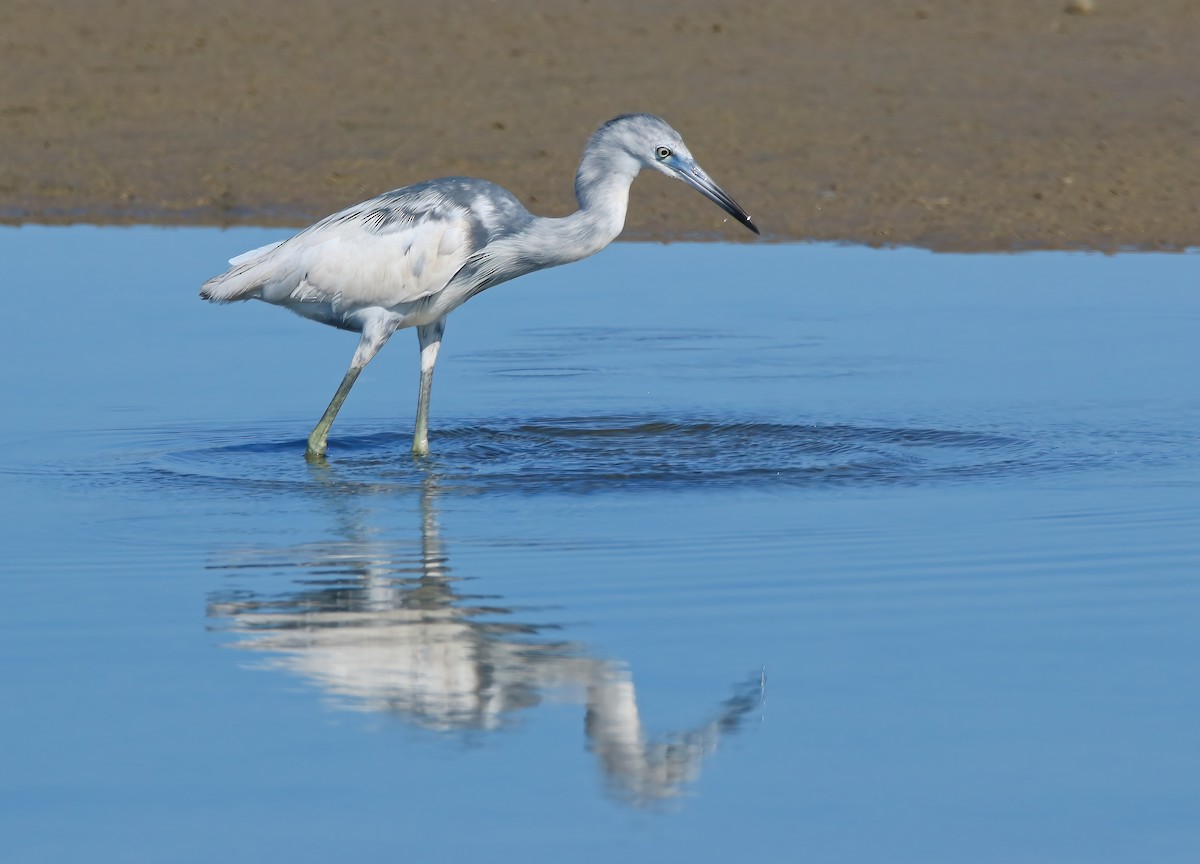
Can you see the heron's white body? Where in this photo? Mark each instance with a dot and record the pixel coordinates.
(408, 258)
(357, 264)
(412, 256)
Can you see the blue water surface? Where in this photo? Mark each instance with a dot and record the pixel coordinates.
(724, 553)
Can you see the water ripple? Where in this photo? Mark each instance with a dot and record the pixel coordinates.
(586, 454)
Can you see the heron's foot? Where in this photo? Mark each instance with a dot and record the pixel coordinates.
(315, 452)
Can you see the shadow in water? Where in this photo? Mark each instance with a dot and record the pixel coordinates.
(379, 627)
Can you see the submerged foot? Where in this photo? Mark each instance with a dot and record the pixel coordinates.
(315, 451)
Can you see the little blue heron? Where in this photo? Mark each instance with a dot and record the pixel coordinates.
(410, 257)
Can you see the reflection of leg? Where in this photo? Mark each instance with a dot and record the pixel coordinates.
(430, 336)
(374, 335)
(433, 560)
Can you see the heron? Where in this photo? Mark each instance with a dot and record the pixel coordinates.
(410, 257)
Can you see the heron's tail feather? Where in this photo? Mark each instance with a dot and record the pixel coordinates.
(251, 271)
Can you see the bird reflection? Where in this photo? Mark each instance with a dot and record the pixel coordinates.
(381, 629)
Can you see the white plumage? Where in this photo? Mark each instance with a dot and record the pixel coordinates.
(409, 257)
(344, 259)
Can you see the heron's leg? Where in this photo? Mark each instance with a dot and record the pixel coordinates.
(430, 336)
(318, 440)
(374, 335)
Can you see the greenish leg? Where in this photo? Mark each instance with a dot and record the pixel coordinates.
(375, 334)
(430, 336)
(421, 431)
(319, 438)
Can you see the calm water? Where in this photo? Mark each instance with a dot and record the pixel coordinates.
(754, 553)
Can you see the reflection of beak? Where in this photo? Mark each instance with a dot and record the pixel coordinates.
(693, 175)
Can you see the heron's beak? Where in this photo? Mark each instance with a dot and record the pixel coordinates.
(693, 175)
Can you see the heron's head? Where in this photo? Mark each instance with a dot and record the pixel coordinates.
(652, 143)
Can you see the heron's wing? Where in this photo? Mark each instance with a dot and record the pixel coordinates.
(368, 259)
(253, 254)
(394, 249)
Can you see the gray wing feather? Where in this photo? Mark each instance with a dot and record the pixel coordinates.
(397, 248)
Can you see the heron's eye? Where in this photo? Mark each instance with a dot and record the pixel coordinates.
(662, 152)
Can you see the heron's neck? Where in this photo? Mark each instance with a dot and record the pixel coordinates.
(603, 200)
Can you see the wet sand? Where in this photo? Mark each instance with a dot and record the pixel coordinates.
(941, 123)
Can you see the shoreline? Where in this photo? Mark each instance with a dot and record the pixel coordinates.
(990, 128)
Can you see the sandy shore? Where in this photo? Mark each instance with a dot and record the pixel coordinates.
(951, 124)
